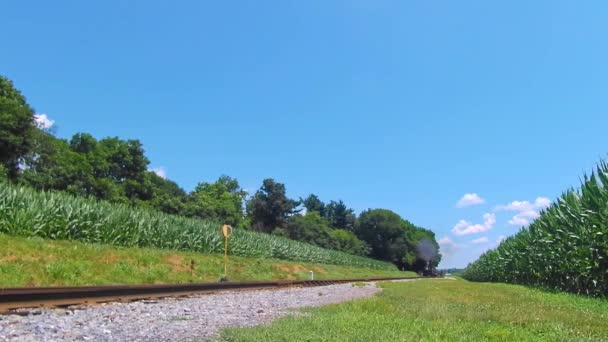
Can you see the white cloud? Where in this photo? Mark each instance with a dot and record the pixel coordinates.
(469, 199)
(160, 171)
(489, 220)
(514, 206)
(481, 240)
(539, 203)
(465, 228)
(447, 247)
(542, 202)
(445, 240)
(43, 121)
(524, 218)
(519, 221)
(527, 212)
(461, 224)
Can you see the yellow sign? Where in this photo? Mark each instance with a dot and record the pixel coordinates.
(226, 232)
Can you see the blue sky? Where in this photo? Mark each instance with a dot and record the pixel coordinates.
(405, 105)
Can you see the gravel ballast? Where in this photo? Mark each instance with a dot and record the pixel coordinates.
(173, 319)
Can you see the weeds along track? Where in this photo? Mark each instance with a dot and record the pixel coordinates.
(12, 299)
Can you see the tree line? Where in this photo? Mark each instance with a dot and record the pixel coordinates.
(117, 170)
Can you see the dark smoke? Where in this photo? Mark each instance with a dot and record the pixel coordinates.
(426, 250)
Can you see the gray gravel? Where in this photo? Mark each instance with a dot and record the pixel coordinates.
(180, 319)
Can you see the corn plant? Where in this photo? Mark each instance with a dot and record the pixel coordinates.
(56, 215)
(566, 248)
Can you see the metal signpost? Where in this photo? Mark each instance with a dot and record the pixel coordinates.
(226, 233)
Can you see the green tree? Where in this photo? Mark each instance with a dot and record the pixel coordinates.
(221, 201)
(314, 229)
(422, 249)
(52, 165)
(340, 216)
(383, 231)
(16, 127)
(346, 241)
(83, 143)
(110, 169)
(121, 164)
(3, 174)
(166, 196)
(270, 208)
(313, 203)
(311, 228)
(394, 239)
(125, 160)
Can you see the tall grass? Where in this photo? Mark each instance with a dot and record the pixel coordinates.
(55, 215)
(566, 248)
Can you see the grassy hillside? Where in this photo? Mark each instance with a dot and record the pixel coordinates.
(444, 310)
(40, 262)
(566, 248)
(59, 216)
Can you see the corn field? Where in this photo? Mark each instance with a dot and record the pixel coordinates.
(565, 249)
(55, 215)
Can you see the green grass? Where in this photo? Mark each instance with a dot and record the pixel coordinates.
(444, 310)
(41, 262)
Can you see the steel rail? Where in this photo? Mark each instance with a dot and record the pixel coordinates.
(12, 299)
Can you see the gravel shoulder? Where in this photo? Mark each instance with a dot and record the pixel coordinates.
(173, 319)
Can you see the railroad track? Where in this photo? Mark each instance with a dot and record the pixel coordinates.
(12, 299)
